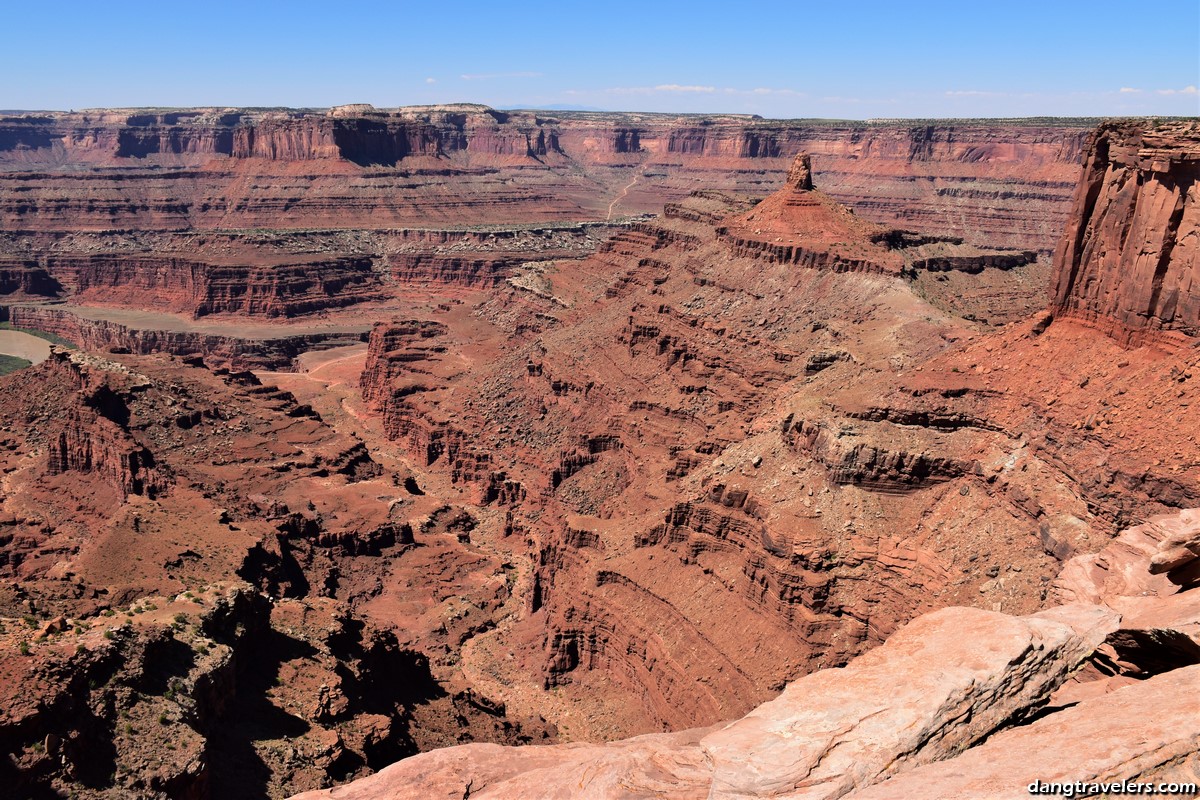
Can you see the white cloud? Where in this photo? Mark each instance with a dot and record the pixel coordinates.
(675, 88)
(431, 80)
(487, 76)
(1129, 90)
(663, 88)
(788, 92)
(1184, 90)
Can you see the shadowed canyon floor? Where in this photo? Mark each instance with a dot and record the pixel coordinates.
(313, 497)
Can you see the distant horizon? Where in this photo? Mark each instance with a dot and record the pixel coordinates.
(1088, 119)
(932, 60)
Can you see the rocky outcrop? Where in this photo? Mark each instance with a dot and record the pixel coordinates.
(799, 177)
(946, 259)
(851, 460)
(205, 693)
(149, 689)
(93, 435)
(799, 225)
(152, 482)
(802, 226)
(93, 443)
(1179, 554)
(1127, 260)
(1120, 568)
(404, 360)
(421, 268)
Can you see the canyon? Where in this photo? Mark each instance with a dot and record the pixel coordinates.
(427, 435)
(358, 167)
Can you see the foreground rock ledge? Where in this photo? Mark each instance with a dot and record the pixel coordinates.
(1091, 742)
(939, 685)
(936, 687)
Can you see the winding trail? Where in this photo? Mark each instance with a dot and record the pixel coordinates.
(624, 192)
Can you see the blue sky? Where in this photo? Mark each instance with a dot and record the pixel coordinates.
(832, 59)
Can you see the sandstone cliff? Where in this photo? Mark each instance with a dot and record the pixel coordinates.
(1128, 260)
(994, 184)
(275, 351)
(172, 283)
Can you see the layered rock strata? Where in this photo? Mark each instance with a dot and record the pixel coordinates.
(957, 703)
(642, 491)
(995, 184)
(276, 351)
(688, 457)
(1127, 262)
(763, 430)
(199, 288)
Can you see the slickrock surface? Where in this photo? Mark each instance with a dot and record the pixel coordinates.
(657, 765)
(1179, 553)
(1143, 732)
(1119, 570)
(936, 687)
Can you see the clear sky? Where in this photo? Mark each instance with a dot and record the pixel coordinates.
(779, 59)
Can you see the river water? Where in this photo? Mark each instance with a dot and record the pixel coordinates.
(22, 345)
